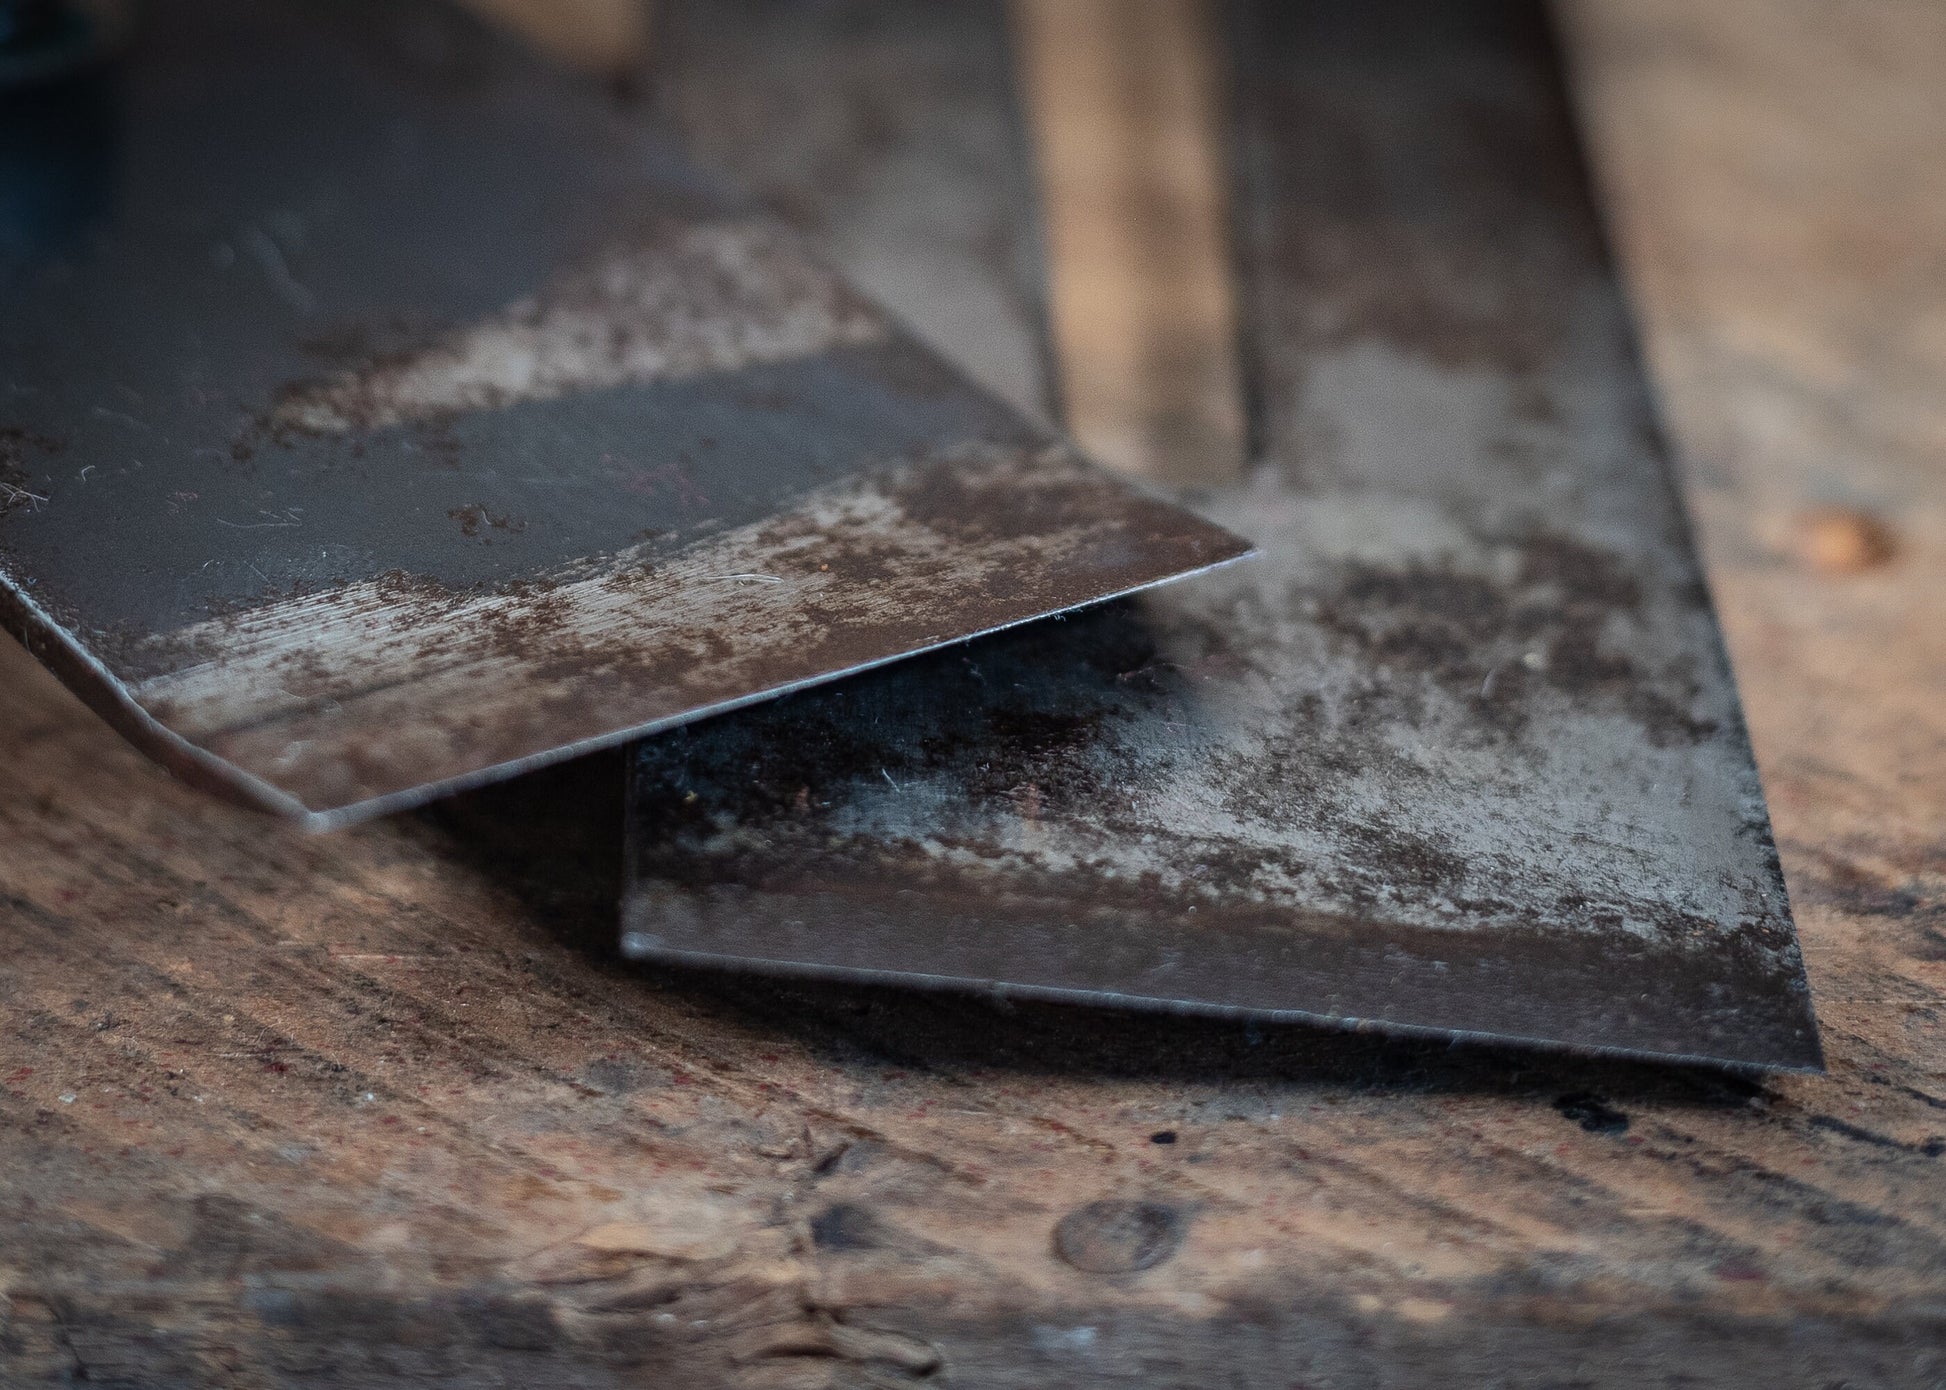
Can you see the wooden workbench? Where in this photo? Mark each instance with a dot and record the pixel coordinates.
(385, 1107)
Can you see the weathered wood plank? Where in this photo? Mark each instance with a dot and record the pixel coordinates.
(1128, 106)
(383, 1108)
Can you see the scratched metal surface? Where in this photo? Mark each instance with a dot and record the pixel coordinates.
(1460, 754)
(400, 414)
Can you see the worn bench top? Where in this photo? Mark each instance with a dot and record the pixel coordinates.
(387, 1108)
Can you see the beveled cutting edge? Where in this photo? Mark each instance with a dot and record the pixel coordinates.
(1460, 755)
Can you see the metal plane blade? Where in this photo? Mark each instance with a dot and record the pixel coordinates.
(382, 413)
(1460, 755)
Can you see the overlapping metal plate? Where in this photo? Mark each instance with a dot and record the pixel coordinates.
(1460, 755)
(395, 414)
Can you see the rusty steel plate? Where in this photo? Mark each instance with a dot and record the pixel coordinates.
(1460, 755)
(388, 413)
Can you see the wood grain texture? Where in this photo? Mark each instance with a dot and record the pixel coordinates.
(384, 1108)
(1127, 105)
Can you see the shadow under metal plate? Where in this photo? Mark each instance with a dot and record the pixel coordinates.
(382, 413)
(1461, 754)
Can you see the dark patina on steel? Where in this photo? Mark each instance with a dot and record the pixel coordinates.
(399, 415)
(1460, 755)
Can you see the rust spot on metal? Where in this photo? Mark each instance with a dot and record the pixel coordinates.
(1496, 641)
(326, 693)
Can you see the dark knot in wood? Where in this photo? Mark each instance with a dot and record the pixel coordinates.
(1118, 1237)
